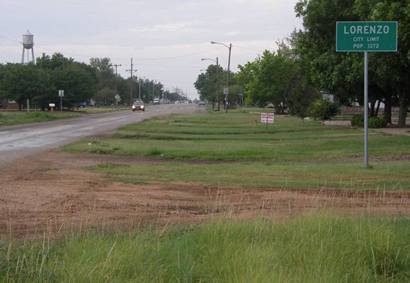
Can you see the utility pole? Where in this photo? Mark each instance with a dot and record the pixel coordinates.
(115, 67)
(131, 80)
(227, 78)
(217, 94)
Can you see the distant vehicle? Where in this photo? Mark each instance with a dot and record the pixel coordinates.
(138, 105)
(201, 103)
(80, 104)
(156, 101)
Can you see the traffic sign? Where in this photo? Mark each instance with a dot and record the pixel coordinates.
(226, 91)
(371, 36)
(61, 93)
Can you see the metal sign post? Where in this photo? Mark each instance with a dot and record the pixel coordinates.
(372, 36)
(366, 111)
(61, 95)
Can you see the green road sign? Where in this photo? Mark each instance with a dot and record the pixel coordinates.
(378, 36)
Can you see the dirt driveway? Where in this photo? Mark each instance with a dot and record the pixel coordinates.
(51, 194)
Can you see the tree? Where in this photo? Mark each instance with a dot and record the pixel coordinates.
(104, 73)
(56, 61)
(22, 82)
(78, 83)
(210, 85)
(342, 74)
(278, 78)
(105, 96)
(78, 80)
(398, 64)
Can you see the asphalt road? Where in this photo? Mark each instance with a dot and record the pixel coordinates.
(19, 141)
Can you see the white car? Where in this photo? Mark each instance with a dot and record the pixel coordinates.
(138, 105)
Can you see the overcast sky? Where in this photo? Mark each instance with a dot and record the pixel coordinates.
(166, 38)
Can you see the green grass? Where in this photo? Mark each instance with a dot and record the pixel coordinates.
(307, 249)
(15, 118)
(234, 150)
(102, 109)
(346, 175)
(238, 137)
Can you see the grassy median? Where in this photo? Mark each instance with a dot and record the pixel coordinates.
(235, 150)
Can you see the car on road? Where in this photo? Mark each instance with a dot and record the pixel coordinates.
(156, 101)
(138, 105)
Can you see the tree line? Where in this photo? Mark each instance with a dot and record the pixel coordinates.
(39, 83)
(306, 64)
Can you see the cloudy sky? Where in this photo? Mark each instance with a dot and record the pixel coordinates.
(166, 38)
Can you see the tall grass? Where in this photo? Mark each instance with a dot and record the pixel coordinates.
(306, 249)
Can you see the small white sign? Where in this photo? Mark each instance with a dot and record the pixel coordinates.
(51, 105)
(61, 93)
(267, 118)
(226, 91)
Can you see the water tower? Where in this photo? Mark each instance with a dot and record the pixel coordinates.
(28, 44)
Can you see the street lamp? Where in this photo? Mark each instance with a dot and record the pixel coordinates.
(226, 90)
(213, 60)
(140, 82)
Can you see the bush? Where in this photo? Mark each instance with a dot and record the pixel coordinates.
(377, 122)
(357, 121)
(374, 122)
(322, 109)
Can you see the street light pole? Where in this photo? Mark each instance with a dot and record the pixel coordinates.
(227, 78)
(226, 90)
(139, 89)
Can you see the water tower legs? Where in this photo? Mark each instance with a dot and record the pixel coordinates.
(28, 55)
(22, 57)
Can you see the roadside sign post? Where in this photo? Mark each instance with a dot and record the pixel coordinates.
(61, 95)
(226, 93)
(267, 118)
(369, 36)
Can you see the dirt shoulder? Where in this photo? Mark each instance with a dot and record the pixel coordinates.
(395, 131)
(51, 194)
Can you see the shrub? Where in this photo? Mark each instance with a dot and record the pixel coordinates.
(322, 109)
(357, 121)
(374, 122)
(377, 122)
